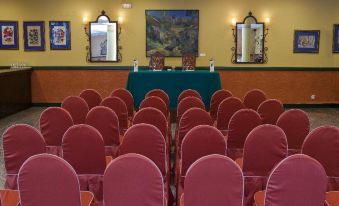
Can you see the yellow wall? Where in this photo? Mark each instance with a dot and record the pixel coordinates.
(215, 33)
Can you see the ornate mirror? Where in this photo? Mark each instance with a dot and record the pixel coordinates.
(103, 38)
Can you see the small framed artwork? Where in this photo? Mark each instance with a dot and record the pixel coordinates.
(335, 38)
(60, 35)
(9, 35)
(34, 35)
(306, 41)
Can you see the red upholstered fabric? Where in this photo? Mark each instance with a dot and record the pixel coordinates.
(48, 180)
(187, 103)
(254, 98)
(133, 179)
(296, 181)
(19, 143)
(92, 97)
(77, 107)
(159, 93)
(216, 99)
(270, 110)
(127, 97)
(155, 102)
(214, 180)
(226, 110)
(296, 126)
(107, 123)
(119, 107)
(188, 93)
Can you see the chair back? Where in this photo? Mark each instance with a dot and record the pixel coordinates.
(270, 110)
(188, 61)
(216, 99)
(222, 180)
(226, 109)
(127, 97)
(77, 107)
(48, 180)
(157, 61)
(298, 180)
(155, 102)
(92, 97)
(188, 103)
(119, 108)
(133, 179)
(83, 148)
(254, 98)
(188, 93)
(159, 93)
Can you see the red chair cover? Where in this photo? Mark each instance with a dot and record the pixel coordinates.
(254, 98)
(323, 145)
(155, 102)
(54, 122)
(188, 103)
(296, 125)
(133, 179)
(19, 143)
(216, 99)
(296, 181)
(83, 148)
(241, 124)
(264, 148)
(119, 107)
(226, 110)
(107, 123)
(188, 93)
(127, 97)
(48, 180)
(77, 107)
(159, 93)
(214, 180)
(270, 110)
(92, 97)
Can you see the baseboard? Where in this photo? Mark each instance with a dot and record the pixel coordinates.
(46, 104)
(334, 105)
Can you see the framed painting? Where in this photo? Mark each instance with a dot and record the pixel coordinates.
(172, 32)
(306, 41)
(34, 36)
(335, 38)
(60, 35)
(9, 35)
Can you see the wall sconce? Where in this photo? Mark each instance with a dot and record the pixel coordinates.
(267, 23)
(233, 26)
(85, 23)
(120, 22)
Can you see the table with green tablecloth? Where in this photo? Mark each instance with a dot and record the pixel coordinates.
(173, 83)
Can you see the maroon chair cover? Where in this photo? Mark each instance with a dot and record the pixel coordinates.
(48, 180)
(107, 123)
(155, 102)
(226, 110)
(270, 110)
(296, 125)
(264, 148)
(216, 99)
(159, 93)
(83, 148)
(296, 181)
(188, 93)
(188, 103)
(19, 143)
(127, 97)
(254, 98)
(54, 122)
(92, 97)
(323, 145)
(241, 124)
(214, 180)
(133, 179)
(77, 107)
(119, 108)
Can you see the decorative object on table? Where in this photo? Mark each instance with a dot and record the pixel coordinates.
(212, 65)
(135, 65)
(157, 61)
(188, 61)
(335, 38)
(9, 35)
(34, 35)
(306, 41)
(172, 32)
(60, 35)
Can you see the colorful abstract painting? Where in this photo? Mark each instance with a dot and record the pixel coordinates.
(172, 32)
(34, 36)
(306, 41)
(336, 38)
(9, 35)
(60, 35)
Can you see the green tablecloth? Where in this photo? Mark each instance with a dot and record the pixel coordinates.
(173, 82)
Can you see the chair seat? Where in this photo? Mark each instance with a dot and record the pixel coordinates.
(259, 198)
(332, 198)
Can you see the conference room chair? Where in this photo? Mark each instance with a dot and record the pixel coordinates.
(213, 180)
(83, 148)
(188, 61)
(188, 103)
(226, 109)
(159, 93)
(118, 106)
(133, 179)
(54, 122)
(77, 107)
(270, 110)
(265, 147)
(155, 102)
(240, 125)
(157, 61)
(92, 97)
(298, 180)
(296, 125)
(216, 99)
(128, 99)
(107, 123)
(188, 93)
(254, 98)
(20, 142)
(49, 180)
(323, 145)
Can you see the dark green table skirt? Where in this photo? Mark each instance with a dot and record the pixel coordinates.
(173, 82)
